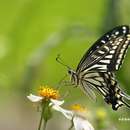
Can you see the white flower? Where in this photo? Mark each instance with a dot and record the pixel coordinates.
(54, 102)
(48, 93)
(76, 115)
(34, 98)
(79, 121)
(68, 114)
(81, 124)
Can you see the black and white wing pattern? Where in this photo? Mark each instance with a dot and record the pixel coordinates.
(96, 68)
(115, 95)
(107, 86)
(108, 52)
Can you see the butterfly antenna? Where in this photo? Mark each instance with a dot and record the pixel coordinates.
(59, 60)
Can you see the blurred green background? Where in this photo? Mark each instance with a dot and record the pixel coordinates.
(32, 33)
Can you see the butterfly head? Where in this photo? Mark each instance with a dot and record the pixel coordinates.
(73, 77)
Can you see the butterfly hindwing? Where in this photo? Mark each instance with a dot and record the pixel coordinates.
(115, 96)
(95, 81)
(107, 86)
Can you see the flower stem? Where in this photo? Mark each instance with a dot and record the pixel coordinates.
(41, 118)
(46, 115)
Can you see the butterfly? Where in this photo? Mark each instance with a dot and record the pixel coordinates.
(97, 68)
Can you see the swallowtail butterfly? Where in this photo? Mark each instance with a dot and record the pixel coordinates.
(96, 68)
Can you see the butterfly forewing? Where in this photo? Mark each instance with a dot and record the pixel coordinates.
(108, 52)
(119, 50)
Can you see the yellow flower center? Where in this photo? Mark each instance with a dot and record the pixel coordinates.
(78, 108)
(48, 93)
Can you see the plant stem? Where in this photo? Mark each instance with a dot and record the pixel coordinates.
(41, 118)
(46, 119)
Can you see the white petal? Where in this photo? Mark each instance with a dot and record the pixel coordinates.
(68, 114)
(34, 98)
(57, 102)
(82, 124)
